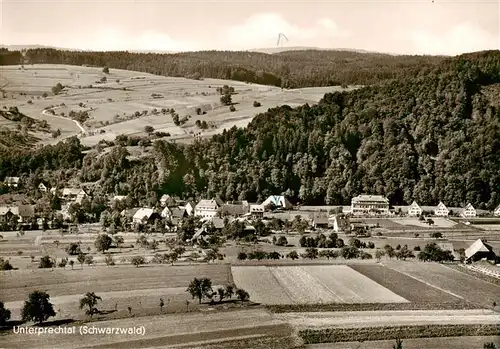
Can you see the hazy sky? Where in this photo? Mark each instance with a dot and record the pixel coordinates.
(442, 27)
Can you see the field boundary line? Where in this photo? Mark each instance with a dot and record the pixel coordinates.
(215, 341)
(285, 289)
(474, 276)
(427, 283)
(325, 286)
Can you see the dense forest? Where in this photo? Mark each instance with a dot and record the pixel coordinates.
(432, 137)
(290, 69)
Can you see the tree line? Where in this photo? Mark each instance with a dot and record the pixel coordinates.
(290, 69)
(430, 138)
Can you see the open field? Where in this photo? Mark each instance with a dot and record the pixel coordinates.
(467, 287)
(314, 284)
(119, 286)
(415, 343)
(389, 318)
(111, 104)
(160, 331)
(438, 222)
(406, 286)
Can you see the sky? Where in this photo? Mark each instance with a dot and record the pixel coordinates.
(398, 26)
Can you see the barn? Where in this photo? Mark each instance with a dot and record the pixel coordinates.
(479, 251)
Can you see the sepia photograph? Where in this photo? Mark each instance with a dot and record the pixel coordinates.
(249, 174)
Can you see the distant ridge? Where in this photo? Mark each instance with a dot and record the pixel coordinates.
(268, 50)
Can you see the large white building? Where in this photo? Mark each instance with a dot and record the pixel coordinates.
(468, 211)
(414, 210)
(207, 208)
(369, 204)
(441, 210)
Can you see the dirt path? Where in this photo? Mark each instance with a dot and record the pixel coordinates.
(390, 318)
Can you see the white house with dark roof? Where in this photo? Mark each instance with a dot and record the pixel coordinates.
(277, 201)
(368, 204)
(12, 181)
(207, 208)
(496, 212)
(441, 210)
(257, 211)
(42, 187)
(468, 211)
(414, 209)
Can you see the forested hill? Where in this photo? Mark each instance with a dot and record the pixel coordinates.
(288, 69)
(430, 138)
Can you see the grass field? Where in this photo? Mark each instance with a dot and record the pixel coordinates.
(312, 284)
(415, 343)
(122, 285)
(404, 285)
(471, 289)
(112, 104)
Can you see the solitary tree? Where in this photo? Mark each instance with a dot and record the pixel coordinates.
(138, 260)
(162, 304)
(90, 300)
(105, 70)
(89, 260)
(229, 291)
(242, 295)
(398, 345)
(103, 242)
(38, 307)
(293, 255)
(46, 262)
(149, 129)
(221, 293)
(71, 263)
(199, 288)
(81, 258)
(4, 314)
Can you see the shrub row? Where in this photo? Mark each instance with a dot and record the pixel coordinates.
(329, 335)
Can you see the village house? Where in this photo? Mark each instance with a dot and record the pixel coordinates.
(496, 212)
(278, 201)
(25, 213)
(320, 220)
(339, 222)
(414, 210)
(145, 214)
(165, 200)
(441, 210)
(369, 204)
(468, 211)
(12, 182)
(119, 197)
(257, 211)
(207, 208)
(42, 187)
(235, 208)
(478, 251)
(71, 194)
(189, 207)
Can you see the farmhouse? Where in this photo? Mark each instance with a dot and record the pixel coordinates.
(478, 251)
(189, 207)
(257, 211)
(320, 220)
(207, 208)
(12, 182)
(71, 194)
(119, 197)
(441, 210)
(496, 212)
(468, 211)
(142, 214)
(42, 187)
(369, 204)
(339, 222)
(235, 209)
(414, 209)
(277, 201)
(23, 212)
(165, 200)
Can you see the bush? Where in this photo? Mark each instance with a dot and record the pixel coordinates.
(149, 129)
(256, 104)
(5, 264)
(232, 108)
(105, 70)
(242, 295)
(46, 262)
